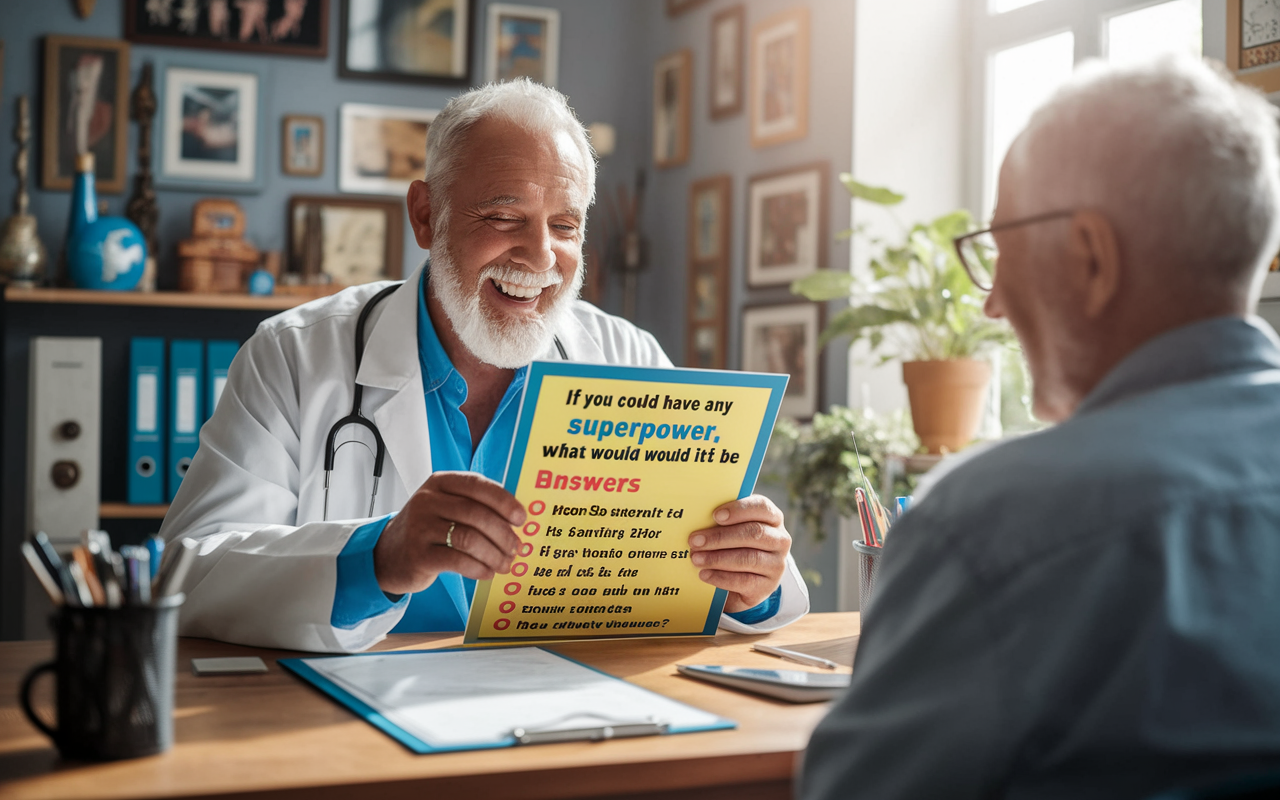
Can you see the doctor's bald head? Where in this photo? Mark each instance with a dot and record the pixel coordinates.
(1178, 156)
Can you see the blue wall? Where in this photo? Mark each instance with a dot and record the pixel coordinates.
(597, 55)
(607, 52)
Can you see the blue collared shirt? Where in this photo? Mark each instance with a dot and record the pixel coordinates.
(444, 605)
(1088, 611)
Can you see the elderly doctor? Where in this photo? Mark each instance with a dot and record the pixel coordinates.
(291, 558)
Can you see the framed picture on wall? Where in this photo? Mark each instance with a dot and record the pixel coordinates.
(780, 78)
(672, 87)
(1253, 42)
(351, 240)
(209, 129)
(86, 110)
(784, 339)
(708, 289)
(678, 7)
(288, 27)
(382, 149)
(410, 41)
(728, 29)
(302, 145)
(786, 224)
(522, 41)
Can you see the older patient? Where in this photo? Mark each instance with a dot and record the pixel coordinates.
(1094, 610)
(289, 556)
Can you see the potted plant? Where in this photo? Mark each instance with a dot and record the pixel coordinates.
(919, 305)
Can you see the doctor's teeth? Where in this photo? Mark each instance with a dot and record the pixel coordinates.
(514, 290)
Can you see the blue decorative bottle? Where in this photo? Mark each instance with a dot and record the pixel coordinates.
(102, 253)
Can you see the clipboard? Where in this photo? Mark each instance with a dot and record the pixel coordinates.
(439, 701)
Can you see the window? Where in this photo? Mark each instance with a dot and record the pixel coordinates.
(1018, 60)
(1163, 28)
(1022, 78)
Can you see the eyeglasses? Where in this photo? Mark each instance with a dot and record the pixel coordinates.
(979, 254)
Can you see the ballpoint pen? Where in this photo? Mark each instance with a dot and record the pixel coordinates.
(792, 655)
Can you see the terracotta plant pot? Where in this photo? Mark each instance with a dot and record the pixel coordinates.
(946, 400)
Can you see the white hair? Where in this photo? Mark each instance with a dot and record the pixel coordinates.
(529, 105)
(1183, 161)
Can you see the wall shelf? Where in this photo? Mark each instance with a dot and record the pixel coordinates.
(279, 302)
(127, 511)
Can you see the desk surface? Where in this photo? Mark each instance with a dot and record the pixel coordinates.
(271, 735)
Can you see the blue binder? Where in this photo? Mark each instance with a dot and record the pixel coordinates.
(146, 420)
(218, 358)
(186, 373)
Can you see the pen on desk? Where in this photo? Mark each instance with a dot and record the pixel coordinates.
(82, 558)
(155, 546)
(792, 655)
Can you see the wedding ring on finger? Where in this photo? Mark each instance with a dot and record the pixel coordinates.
(448, 537)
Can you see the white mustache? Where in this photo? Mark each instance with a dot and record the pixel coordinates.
(509, 273)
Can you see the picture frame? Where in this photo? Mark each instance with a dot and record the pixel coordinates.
(672, 102)
(358, 239)
(710, 213)
(93, 117)
(284, 27)
(382, 149)
(302, 145)
(677, 7)
(209, 129)
(522, 41)
(786, 224)
(783, 338)
(728, 46)
(424, 41)
(1253, 43)
(779, 85)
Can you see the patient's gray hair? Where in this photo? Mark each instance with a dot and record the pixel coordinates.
(528, 104)
(1183, 160)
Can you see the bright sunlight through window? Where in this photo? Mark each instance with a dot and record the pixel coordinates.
(1168, 27)
(1021, 79)
(1001, 6)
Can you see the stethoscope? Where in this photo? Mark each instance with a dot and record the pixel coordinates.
(356, 417)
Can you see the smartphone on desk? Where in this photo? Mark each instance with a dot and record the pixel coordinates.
(792, 685)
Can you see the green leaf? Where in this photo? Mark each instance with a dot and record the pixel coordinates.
(872, 194)
(825, 284)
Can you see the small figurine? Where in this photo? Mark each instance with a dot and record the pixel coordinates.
(22, 254)
(216, 258)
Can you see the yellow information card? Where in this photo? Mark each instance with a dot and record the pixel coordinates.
(617, 467)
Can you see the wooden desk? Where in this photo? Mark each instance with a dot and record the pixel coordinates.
(260, 736)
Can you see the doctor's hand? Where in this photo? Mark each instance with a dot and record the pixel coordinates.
(745, 554)
(455, 522)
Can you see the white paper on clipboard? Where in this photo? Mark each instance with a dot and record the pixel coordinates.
(475, 698)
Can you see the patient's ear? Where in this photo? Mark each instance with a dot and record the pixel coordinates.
(418, 201)
(1095, 253)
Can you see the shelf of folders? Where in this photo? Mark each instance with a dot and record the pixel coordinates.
(94, 575)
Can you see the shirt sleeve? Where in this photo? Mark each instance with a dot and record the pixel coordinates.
(762, 612)
(357, 596)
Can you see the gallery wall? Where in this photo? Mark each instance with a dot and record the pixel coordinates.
(596, 56)
(724, 146)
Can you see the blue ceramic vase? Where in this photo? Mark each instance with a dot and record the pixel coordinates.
(107, 253)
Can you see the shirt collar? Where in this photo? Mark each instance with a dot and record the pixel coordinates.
(435, 361)
(1217, 346)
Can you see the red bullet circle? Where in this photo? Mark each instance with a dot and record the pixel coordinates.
(527, 526)
(512, 588)
(525, 549)
(519, 568)
(501, 624)
(537, 507)
(506, 607)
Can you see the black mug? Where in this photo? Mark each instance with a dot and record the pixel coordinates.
(114, 671)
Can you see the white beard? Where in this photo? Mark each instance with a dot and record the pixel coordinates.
(503, 343)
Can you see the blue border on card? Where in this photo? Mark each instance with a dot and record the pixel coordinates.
(299, 667)
(776, 384)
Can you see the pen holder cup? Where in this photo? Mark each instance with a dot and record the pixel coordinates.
(868, 567)
(114, 675)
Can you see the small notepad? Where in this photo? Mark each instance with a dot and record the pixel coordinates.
(245, 665)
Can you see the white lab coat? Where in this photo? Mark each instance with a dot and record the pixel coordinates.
(253, 497)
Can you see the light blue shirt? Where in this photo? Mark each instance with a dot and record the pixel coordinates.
(444, 605)
(1089, 611)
